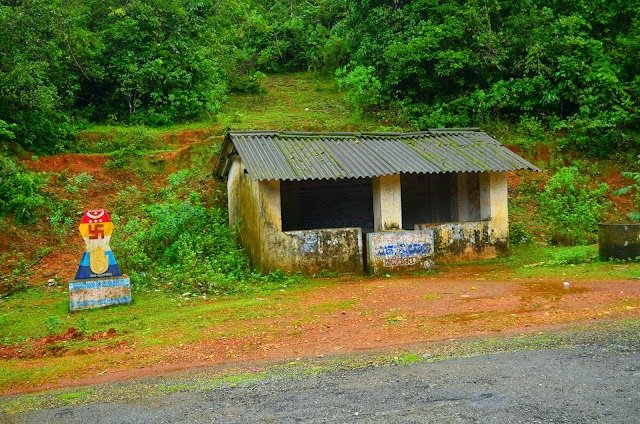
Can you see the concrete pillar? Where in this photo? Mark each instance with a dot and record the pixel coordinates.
(493, 202)
(464, 198)
(387, 203)
(485, 196)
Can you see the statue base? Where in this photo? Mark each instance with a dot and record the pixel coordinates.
(94, 293)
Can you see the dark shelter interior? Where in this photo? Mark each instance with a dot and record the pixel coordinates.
(317, 204)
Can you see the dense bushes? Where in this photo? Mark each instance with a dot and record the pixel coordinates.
(157, 64)
(20, 191)
(568, 65)
(150, 62)
(632, 188)
(182, 241)
(185, 245)
(571, 208)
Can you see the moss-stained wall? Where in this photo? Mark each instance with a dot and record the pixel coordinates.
(455, 241)
(312, 251)
(477, 239)
(255, 206)
(243, 196)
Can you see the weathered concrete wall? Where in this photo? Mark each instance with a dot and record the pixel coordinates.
(485, 238)
(255, 207)
(243, 199)
(308, 251)
(464, 240)
(338, 250)
(387, 203)
(399, 251)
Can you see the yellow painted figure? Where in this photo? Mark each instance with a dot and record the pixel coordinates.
(98, 260)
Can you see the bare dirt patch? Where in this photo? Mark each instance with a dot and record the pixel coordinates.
(54, 345)
(374, 314)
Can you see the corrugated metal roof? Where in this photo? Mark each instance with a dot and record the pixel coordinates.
(270, 155)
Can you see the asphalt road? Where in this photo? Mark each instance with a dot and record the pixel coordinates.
(582, 384)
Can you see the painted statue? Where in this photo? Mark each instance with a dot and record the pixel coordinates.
(98, 259)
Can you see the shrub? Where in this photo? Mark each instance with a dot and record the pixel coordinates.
(572, 209)
(252, 83)
(123, 158)
(20, 191)
(635, 187)
(187, 246)
(78, 182)
(519, 233)
(16, 281)
(574, 255)
(53, 324)
(361, 86)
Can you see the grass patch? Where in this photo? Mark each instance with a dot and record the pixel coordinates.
(532, 260)
(304, 101)
(154, 319)
(111, 138)
(74, 396)
(429, 297)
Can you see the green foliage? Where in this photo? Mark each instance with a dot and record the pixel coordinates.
(157, 60)
(110, 139)
(571, 208)
(53, 324)
(16, 281)
(79, 181)
(361, 86)
(635, 187)
(83, 325)
(252, 83)
(44, 53)
(574, 255)
(180, 243)
(20, 191)
(123, 157)
(7, 130)
(461, 63)
(60, 216)
(569, 67)
(519, 233)
(190, 247)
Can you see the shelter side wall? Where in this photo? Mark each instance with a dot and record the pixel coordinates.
(309, 251)
(243, 200)
(456, 241)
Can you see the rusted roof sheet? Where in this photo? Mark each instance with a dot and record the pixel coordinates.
(270, 155)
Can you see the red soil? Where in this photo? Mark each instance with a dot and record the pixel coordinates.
(70, 162)
(375, 314)
(385, 313)
(622, 204)
(52, 346)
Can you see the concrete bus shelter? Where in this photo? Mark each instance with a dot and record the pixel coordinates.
(351, 202)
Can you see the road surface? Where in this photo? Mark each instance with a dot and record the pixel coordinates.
(581, 384)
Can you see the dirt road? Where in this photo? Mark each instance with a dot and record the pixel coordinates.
(326, 319)
(595, 382)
